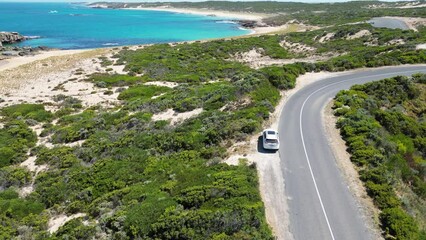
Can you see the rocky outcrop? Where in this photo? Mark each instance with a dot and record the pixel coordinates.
(250, 24)
(22, 51)
(10, 37)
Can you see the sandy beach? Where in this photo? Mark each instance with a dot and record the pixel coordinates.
(227, 15)
(18, 61)
(207, 12)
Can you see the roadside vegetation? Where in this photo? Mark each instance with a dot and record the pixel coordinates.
(384, 128)
(135, 176)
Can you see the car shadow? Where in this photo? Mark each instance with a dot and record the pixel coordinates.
(260, 146)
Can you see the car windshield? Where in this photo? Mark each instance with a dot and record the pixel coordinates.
(271, 132)
(271, 140)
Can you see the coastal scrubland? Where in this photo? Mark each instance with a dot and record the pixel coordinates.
(383, 125)
(124, 173)
(320, 14)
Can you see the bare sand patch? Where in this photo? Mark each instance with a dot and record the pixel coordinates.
(35, 169)
(163, 84)
(413, 5)
(402, 5)
(176, 117)
(396, 42)
(18, 61)
(297, 47)
(273, 29)
(360, 34)
(327, 37)
(41, 80)
(58, 221)
(421, 46)
(256, 59)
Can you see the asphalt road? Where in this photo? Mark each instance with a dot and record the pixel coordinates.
(320, 203)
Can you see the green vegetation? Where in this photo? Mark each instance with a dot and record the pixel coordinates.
(27, 111)
(197, 62)
(15, 140)
(136, 177)
(383, 125)
(324, 14)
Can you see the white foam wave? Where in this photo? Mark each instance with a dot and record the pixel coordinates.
(227, 22)
(32, 37)
(110, 44)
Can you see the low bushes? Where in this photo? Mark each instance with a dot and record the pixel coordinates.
(27, 111)
(381, 123)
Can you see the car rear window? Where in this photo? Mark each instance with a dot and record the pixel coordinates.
(271, 140)
(271, 132)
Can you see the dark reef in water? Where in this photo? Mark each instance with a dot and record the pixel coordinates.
(10, 37)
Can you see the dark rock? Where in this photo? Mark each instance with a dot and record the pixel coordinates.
(10, 53)
(11, 37)
(248, 23)
(43, 48)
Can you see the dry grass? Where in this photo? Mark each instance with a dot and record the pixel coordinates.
(16, 77)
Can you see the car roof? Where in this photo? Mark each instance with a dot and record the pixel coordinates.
(271, 133)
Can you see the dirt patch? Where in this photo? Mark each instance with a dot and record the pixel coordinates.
(256, 59)
(163, 84)
(297, 47)
(176, 117)
(421, 46)
(40, 81)
(396, 42)
(327, 37)
(349, 171)
(58, 221)
(360, 34)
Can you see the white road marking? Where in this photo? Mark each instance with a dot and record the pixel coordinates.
(303, 140)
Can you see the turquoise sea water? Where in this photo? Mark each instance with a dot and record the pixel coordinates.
(72, 26)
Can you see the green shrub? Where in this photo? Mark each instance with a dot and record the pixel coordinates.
(398, 224)
(28, 111)
(143, 92)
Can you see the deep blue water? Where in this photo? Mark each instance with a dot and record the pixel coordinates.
(71, 26)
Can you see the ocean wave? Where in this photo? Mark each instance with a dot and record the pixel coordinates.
(53, 11)
(110, 44)
(226, 21)
(32, 37)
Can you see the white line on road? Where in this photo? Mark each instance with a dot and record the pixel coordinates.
(303, 140)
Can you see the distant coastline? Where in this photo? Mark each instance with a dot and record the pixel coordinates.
(222, 14)
(81, 26)
(247, 20)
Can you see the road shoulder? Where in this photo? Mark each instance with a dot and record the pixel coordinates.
(349, 172)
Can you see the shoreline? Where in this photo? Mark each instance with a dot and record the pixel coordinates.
(205, 12)
(242, 16)
(14, 62)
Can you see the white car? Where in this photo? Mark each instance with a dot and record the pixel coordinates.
(270, 139)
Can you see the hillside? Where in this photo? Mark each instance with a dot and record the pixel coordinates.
(131, 144)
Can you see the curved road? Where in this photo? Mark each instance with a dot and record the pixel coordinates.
(320, 203)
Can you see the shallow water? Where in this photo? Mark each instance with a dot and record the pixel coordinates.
(388, 23)
(72, 26)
